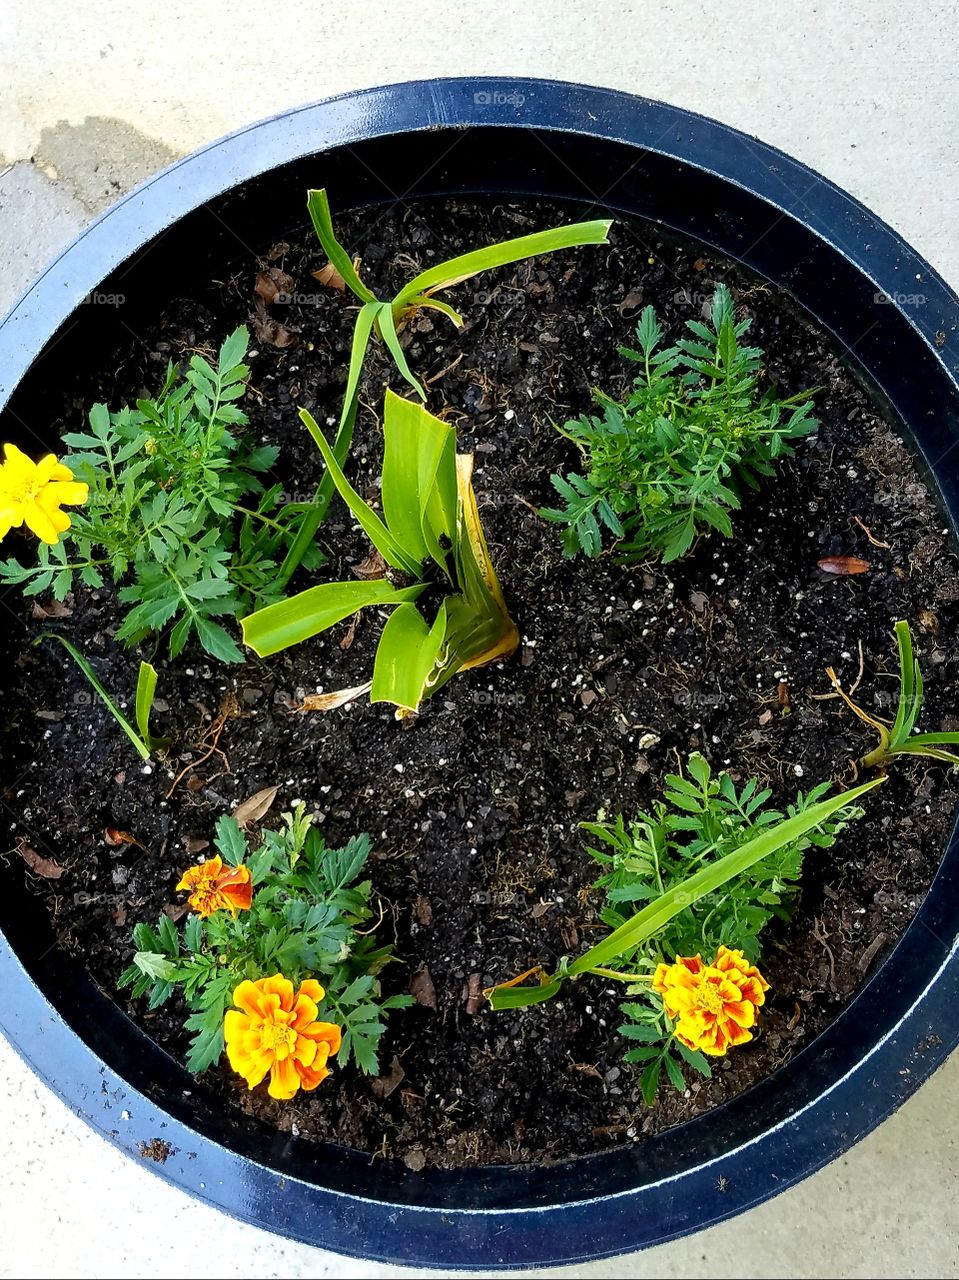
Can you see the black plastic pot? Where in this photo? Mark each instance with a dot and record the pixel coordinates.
(897, 323)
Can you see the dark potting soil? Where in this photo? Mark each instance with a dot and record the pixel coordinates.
(473, 806)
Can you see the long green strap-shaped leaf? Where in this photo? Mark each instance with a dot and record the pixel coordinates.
(437, 304)
(316, 514)
(445, 274)
(307, 614)
(419, 479)
(387, 327)
(319, 207)
(374, 528)
(408, 652)
(94, 680)
(910, 686)
(146, 692)
(658, 913)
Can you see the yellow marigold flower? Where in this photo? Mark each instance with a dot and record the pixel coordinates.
(713, 1005)
(214, 887)
(277, 1032)
(32, 493)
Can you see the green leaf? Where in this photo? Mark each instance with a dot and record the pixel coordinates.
(374, 528)
(230, 840)
(419, 479)
(316, 514)
(217, 641)
(445, 274)
(315, 610)
(146, 691)
(407, 655)
(519, 997)
(649, 1082)
(108, 702)
(389, 335)
(234, 349)
(634, 1031)
(652, 918)
(695, 1059)
(153, 964)
(193, 933)
(674, 1071)
(319, 210)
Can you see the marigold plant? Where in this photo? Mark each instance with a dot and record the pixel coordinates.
(272, 920)
(272, 1031)
(712, 865)
(177, 514)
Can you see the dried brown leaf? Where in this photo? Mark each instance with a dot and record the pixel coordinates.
(254, 808)
(269, 330)
(422, 989)
(54, 609)
(632, 301)
(273, 285)
(330, 701)
(45, 867)
(385, 1085)
(423, 909)
(195, 844)
(843, 566)
(374, 566)
(350, 636)
(330, 277)
(699, 601)
(473, 991)
(114, 838)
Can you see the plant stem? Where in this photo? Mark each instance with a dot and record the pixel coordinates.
(621, 977)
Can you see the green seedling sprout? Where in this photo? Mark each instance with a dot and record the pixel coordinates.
(145, 743)
(898, 739)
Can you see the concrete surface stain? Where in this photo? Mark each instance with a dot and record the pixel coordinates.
(99, 159)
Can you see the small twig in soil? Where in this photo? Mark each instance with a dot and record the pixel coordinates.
(229, 709)
(443, 372)
(825, 697)
(868, 532)
(362, 933)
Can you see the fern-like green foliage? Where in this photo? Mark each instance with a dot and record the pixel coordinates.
(303, 922)
(672, 461)
(701, 818)
(167, 518)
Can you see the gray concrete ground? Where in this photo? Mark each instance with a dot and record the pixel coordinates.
(97, 96)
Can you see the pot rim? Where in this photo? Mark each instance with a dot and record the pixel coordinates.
(852, 1083)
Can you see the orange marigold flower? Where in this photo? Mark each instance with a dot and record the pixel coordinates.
(713, 1005)
(277, 1032)
(33, 493)
(213, 886)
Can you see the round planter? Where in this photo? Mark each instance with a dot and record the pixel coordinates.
(895, 320)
